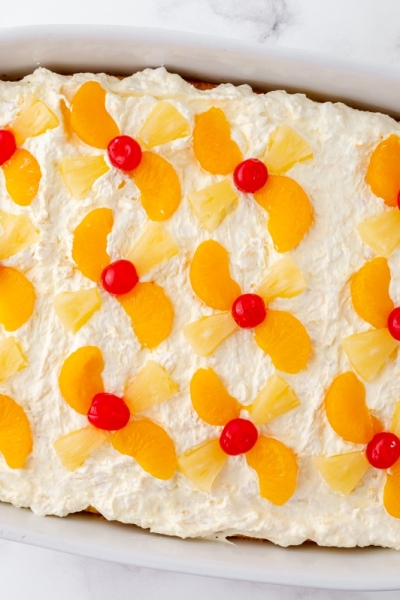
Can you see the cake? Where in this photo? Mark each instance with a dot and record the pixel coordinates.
(198, 292)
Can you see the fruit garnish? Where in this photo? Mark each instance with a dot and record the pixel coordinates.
(164, 124)
(395, 424)
(393, 324)
(284, 280)
(108, 412)
(149, 445)
(66, 120)
(369, 288)
(367, 351)
(383, 450)
(152, 385)
(89, 249)
(276, 467)
(211, 400)
(74, 309)
(211, 203)
(248, 311)
(202, 464)
(34, 118)
(238, 437)
(159, 186)
(207, 333)
(17, 298)
(285, 339)
(22, 174)
(150, 311)
(75, 447)
(124, 153)
(383, 174)
(154, 246)
(89, 117)
(210, 276)
(8, 145)
(17, 233)
(391, 491)
(80, 378)
(11, 358)
(15, 433)
(214, 149)
(289, 209)
(80, 172)
(275, 399)
(119, 277)
(250, 175)
(286, 147)
(382, 233)
(342, 472)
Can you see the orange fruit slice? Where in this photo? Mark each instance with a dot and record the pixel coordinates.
(383, 175)
(17, 298)
(80, 378)
(89, 249)
(391, 491)
(369, 288)
(15, 433)
(22, 174)
(211, 400)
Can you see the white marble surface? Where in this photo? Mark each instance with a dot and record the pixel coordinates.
(363, 30)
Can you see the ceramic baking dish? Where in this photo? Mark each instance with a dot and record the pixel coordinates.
(121, 51)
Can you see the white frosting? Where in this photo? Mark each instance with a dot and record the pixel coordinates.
(342, 140)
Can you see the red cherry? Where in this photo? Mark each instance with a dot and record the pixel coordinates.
(398, 200)
(250, 175)
(108, 412)
(249, 310)
(238, 437)
(383, 450)
(124, 153)
(119, 278)
(7, 145)
(394, 323)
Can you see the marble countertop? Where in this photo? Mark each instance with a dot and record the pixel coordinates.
(362, 30)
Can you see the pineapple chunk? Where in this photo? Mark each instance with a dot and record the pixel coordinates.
(75, 447)
(395, 424)
(202, 465)
(151, 386)
(74, 309)
(275, 399)
(164, 124)
(286, 147)
(80, 172)
(16, 234)
(284, 280)
(11, 358)
(342, 472)
(154, 247)
(368, 351)
(210, 203)
(34, 119)
(382, 233)
(207, 333)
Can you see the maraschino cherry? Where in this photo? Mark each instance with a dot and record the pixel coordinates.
(124, 153)
(238, 436)
(394, 323)
(398, 200)
(120, 277)
(108, 412)
(383, 450)
(250, 175)
(7, 145)
(249, 310)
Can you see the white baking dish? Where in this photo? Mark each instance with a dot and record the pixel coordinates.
(124, 50)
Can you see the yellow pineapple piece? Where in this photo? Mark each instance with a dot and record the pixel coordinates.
(151, 386)
(382, 233)
(74, 309)
(16, 234)
(75, 447)
(80, 172)
(207, 333)
(284, 280)
(286, 147)
(34, 118)
(368, 351)
(164, 124)
(202, 465)
(342, 472)
(11, 358)
(210, 204)
(275, 399)
(395, 424)
(154, 247)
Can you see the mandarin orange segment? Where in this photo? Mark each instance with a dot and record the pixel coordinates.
(201, 465)
(15, 433)
(391, 491)
(149, 445)
(342, 472)
(211, 400)
(90, 119)
(74, 448)
(276, 467)
(285, 339)
(289, 209)
(210, 276)
(150, 311)
(17, 298)
(214, 149)
(159, 186)
(383, 174)
(80, 378)
(369, 288)
(22, 174)
(89, 249)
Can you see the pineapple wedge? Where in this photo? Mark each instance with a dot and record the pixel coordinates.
(164, 124)
(11, 358)
(202, 465)
(286, 147)
(74, 309)
(151, 386)
(382, 233)
(75, 447)
(16, 234)
(80, 172)
(210, 203)
(342, 472)
(368, 351)
(395, 424)
(34, 119)
(154, 247)
(284, 280)
(275, 399)
(207, 333)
